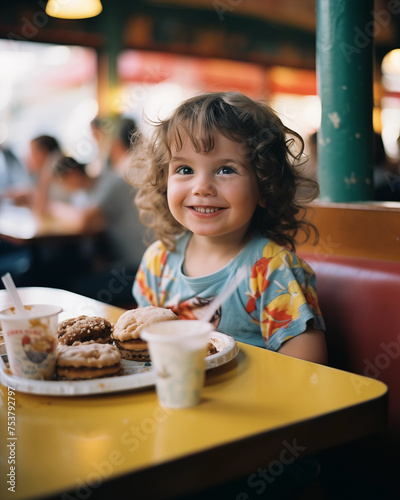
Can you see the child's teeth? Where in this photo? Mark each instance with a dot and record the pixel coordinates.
(205, 210)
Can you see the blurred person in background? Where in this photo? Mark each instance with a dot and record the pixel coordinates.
(44, 151)
(101, 129)
(126, 129)
(13, 174)
(105, 206)
(33, 191)
(14, 178)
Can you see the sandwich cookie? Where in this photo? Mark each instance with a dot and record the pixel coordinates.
(131, 323)
(87, 361)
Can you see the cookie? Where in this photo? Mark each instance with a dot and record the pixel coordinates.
(84, 329)
(134, 350)
(131, 323)
(87, 361)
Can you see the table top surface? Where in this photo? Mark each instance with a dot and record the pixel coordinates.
(257, 404)
(21, 226)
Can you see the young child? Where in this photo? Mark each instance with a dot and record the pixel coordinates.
(217, 183)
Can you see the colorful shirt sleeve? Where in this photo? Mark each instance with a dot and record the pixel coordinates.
(146, 288)
(282, 296)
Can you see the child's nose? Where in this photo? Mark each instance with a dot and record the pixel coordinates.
(204, 186)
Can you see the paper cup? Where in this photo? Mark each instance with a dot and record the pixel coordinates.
(31, 342)
(177, 351)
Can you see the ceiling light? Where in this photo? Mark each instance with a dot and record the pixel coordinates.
(73, 9)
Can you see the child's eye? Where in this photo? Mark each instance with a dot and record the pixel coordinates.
(184, 170)
(227, 170)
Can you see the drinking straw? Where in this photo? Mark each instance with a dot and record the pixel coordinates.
(15, 298)
(210, 309)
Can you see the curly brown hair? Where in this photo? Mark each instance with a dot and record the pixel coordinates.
(274, 151)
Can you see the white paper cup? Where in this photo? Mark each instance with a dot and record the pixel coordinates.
(177, 351)
(31, 342)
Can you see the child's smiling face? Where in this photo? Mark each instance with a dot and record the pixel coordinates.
(213, 194)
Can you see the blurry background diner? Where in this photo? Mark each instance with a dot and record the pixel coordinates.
(73, 92)
(79, 88)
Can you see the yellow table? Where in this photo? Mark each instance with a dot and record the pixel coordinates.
(260, 408)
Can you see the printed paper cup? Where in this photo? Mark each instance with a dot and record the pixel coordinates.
(31, 342)
(177, 351)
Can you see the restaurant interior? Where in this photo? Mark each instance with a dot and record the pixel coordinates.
(137, 60)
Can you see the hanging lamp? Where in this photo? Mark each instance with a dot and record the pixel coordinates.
(73, 9)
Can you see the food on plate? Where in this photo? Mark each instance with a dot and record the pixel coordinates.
(87, 361)
(211, 349)
(131, 323)
(84, 329)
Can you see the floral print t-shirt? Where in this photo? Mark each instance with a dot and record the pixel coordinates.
(272, 304)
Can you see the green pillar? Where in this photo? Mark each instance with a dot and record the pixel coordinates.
(345, 85)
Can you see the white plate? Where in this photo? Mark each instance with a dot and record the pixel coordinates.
(136, 375)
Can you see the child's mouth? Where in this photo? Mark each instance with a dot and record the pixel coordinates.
(206, 210)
